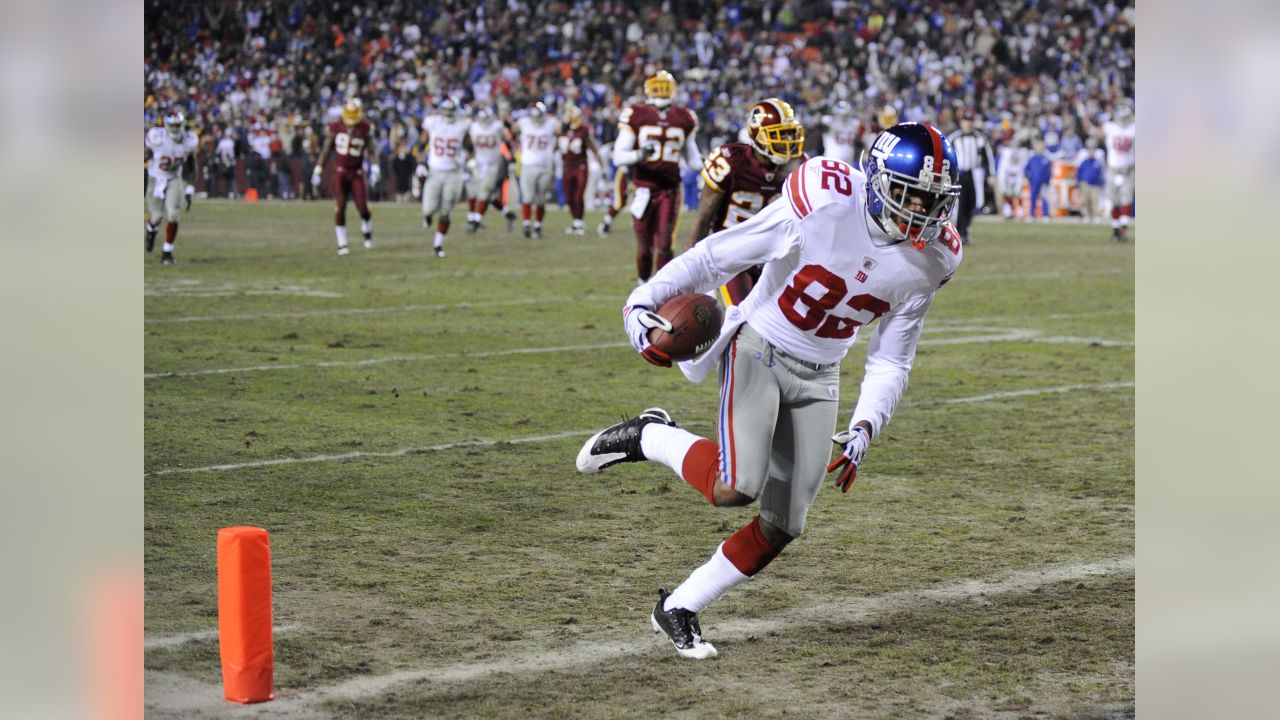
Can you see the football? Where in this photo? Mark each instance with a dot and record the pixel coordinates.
(695, 323)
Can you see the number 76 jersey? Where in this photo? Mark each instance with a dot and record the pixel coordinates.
(828, 271)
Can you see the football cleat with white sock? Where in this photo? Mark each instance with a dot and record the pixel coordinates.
(682, 628)
(619, 443)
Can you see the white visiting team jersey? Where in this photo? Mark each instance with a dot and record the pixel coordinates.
(828, 269)
(841, 138)
(445, 151)
(486, 141)
(167, 156)
(1121, 153)
(1013, 161)
(537, 141)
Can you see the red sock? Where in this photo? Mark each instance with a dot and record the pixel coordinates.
(471, 204)
(170, 232)
(1128, 211)
(1115, 212)
(539, 212)
(524, 210)
(700, 468)
(748, 550)
(481, 206)
(442, 227)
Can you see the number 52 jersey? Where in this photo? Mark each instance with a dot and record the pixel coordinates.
(828, 271)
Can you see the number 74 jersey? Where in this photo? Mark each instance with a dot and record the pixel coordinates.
(828, 271)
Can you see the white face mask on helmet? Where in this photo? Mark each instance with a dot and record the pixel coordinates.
(175, 125)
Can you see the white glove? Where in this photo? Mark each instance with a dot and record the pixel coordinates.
(420, 172)
(854, 441)
(315, 177)
(375, 172)
(638, 320)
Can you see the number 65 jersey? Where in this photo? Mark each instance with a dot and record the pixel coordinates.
(828, 271)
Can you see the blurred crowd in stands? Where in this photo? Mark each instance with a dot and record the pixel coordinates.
(258, 80)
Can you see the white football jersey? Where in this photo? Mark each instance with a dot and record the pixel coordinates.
(1121, 154)
(486, 141)
(841, 139)
(168, 156)
(445, 151)
(537, 141)
(828, 270)
(1013, 161)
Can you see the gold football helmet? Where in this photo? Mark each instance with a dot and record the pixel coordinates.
(573, 116)
(352, 111)
(775, 131)
(888, 117)
(660, 89)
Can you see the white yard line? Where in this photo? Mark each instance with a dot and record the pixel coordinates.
(1035, 391)
(171, 641)
(387, 359)
(359, 311)
(400, 452)
(996, 335)
(638, 640)
(373, 454)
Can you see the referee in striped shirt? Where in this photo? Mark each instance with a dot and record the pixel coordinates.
(972, 150)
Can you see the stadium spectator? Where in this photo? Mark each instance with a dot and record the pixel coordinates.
(1089, 180)
(1051, 68)
(1039, 172)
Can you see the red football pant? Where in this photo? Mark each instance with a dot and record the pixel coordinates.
(349, 182)
(575, 189)
(654, 231)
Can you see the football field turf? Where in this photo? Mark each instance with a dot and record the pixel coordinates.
(406, 426)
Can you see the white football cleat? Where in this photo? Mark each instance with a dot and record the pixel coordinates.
(343, 249)
(619, 443)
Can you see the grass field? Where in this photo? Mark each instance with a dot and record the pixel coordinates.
(405, 427)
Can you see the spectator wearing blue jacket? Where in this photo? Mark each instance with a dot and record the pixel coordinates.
(1039, 171)
(1090, 176)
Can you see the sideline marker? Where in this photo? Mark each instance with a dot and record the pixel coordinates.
(244, 614)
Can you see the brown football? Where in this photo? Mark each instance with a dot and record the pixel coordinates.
(695, 323)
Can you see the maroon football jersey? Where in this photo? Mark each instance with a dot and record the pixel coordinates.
(735, 170)
(573, 147)
(670, 128)
(349, 144)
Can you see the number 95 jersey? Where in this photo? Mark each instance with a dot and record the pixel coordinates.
(828, 270)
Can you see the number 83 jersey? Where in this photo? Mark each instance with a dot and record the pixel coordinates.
(828, 271)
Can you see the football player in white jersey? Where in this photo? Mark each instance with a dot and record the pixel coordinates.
(487, 133)
(445, 143)
(1120, 133)
(167, 148)
(840, 136)
(538, 131)
(841, 251)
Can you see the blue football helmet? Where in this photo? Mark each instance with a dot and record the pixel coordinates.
(912, 182)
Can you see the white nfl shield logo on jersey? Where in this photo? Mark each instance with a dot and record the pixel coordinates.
(868, 263)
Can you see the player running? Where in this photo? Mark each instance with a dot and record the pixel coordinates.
(446, 142)
(652, 137)
(487, 133)
(741, 178)
(536, 165)
(168, 148)
(843, 250)
(574, 146)
(348, 138)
